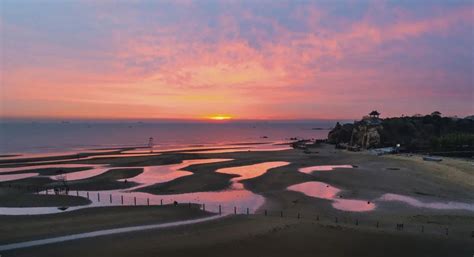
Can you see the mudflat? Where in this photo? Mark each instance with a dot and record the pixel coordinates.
(256, 236)
(370, 177)
(24, 227)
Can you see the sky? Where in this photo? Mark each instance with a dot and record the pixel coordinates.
(241, 59)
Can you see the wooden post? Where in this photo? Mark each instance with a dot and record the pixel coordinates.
(77, 193)
(220, 210)
(247, 211)
(98, 197)
(161, 201)
(148, 201)
(110, 196)
(135, 200)
(87, 195)
(235, 210)
(121, 198)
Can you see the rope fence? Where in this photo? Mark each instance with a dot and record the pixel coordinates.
(351, 220)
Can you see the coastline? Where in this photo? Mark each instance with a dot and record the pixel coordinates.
(371, 177)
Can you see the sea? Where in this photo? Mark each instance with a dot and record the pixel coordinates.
(64, 136)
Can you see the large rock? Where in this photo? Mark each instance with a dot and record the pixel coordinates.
(366, 136)
(340, 133)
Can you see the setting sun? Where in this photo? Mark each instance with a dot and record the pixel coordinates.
(220, 117)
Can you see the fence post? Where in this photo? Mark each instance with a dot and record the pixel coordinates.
(121, 198)
(235, 210)
(247, 211)
(98, 197)
(161, 201)
(87, 195)
(189, 204)
(110, 196)
(220, 210)
(148, 201)
(135, 200)
(77, 193)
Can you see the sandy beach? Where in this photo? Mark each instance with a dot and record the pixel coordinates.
(260, 236)
(315, 231)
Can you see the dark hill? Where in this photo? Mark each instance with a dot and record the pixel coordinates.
(429, 133)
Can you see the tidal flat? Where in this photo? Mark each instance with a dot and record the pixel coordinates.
(253, 192)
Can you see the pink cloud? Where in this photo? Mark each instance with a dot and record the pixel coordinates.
(191, 70)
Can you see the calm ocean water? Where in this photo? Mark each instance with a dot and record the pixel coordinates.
(48, 137)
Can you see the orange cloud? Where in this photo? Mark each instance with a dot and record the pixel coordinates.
(189, 70)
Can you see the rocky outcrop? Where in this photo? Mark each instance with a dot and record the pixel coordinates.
(417, 133)
(360, 134)
(340, 133)
(366, 136)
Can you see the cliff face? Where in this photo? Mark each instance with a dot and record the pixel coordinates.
(366, 136)
(360, 134)
(425, 133)
(340, 133)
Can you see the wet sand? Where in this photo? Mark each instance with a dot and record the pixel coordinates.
(256, 236)
(24, 228)
(47, 171)
(371, 177)
(105, 181)
(61, 157)
(12, 197)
